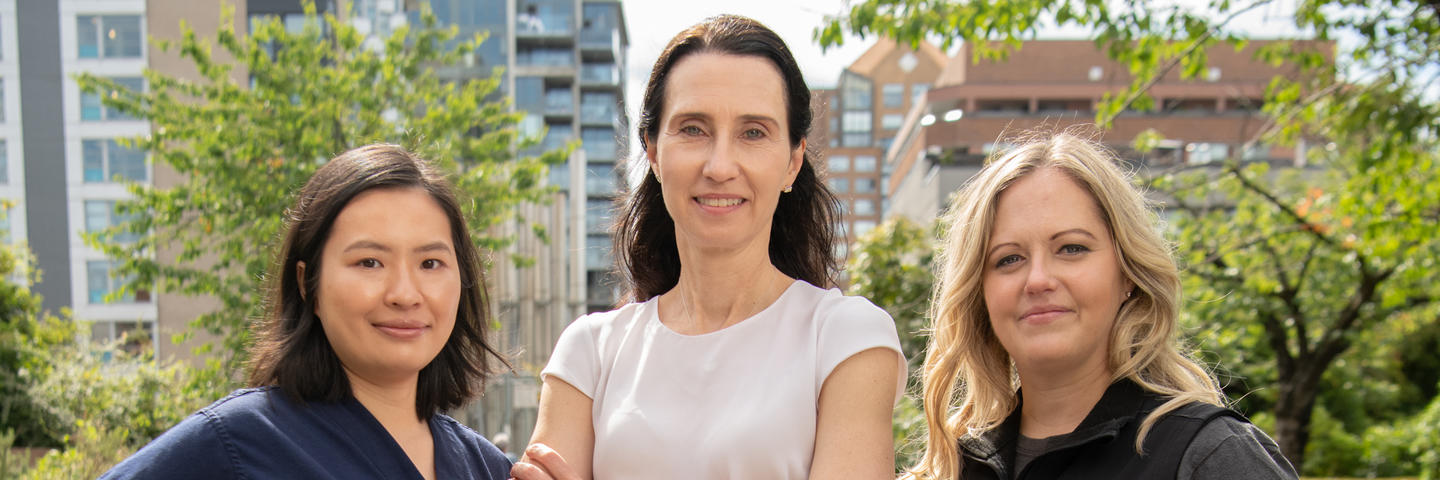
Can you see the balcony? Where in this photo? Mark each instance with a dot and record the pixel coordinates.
(599, 74)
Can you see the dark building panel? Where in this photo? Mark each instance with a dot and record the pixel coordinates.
(44, 137)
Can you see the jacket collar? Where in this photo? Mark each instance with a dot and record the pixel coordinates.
(1123, 402)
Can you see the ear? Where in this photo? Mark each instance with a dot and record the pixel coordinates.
(797, 159)
(300, 278)
(650, 157)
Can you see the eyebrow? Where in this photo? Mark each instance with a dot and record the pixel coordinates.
(744, 118)
(1059, 234)
(372, 245)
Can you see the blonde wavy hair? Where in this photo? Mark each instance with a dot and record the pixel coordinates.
(969, 380)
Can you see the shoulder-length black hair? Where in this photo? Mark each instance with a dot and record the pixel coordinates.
(292, 352)
(802, 232)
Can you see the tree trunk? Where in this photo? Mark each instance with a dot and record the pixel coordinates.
(1293, 409)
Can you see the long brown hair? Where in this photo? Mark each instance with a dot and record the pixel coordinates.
(802, 233)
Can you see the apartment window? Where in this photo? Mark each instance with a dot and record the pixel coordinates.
(865, 163)
(839, 185)
(545, 57)
(559, 100)
(839, 164)
(108, 36)
(918, 90)
(101, 214)
(597, 252)
(864, 206)
(855, 91)
(545, 16)
(106, 161)
(101, 283)
(598, 107)
(599, 143)
(597, 215)
(891, 121)
(864, 185)
(600, 179)
(1199, 153)
(893, 94)
(92, 106)
(863, 227)
(856, 127)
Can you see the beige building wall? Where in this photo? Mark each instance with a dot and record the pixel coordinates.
(163, 22)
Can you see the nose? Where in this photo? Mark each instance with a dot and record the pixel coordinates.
(401, 290)
(722, 164)
(1038, 278)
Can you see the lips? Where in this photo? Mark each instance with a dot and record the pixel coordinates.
(719, 202)
(1043, 313)
(403, 329)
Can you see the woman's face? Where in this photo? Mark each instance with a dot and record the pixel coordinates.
(722, 151)
(389, 284)
(1052, 279)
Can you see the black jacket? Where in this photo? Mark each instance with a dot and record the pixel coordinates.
(1102, 447)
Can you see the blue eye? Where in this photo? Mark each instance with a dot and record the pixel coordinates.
(1073, 249)
(691, 130)
(754, 134)
(1006, 260)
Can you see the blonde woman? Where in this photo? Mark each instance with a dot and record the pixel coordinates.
(1054, 352)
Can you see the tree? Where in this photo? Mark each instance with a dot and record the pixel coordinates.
(1292, 267)
(252, 130)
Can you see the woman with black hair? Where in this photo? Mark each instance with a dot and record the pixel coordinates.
(377, 325)
(738, 358)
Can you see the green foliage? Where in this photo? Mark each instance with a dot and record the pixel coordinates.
(93, 450)
(251, 130)
(22, 348)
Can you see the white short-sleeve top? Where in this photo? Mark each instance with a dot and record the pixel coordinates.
(739, 402)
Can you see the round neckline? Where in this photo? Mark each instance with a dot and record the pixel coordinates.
(654, 305)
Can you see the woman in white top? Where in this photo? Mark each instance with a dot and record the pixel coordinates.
(734, 362)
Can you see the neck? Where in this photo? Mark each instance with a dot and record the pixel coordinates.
(719, 290)
(391, 403)
(1056, 402)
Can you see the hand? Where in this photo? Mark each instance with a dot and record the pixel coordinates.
(542, 463)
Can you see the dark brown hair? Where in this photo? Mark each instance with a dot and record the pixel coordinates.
(802, 232)
(292, 352)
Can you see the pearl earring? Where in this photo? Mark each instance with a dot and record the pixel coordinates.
(787, 189)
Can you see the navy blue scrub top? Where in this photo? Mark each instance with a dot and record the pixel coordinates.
(258, 433)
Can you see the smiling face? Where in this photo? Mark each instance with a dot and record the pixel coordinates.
(1052, 279)
(722, 151)
(389, 287)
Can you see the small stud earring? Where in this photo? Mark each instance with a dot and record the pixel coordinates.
(1129, 293)
(787, 189)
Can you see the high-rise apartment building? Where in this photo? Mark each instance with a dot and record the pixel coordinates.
(859, 120)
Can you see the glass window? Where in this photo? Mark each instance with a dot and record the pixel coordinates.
(108, 36)
(857, 121)
(864, 185)
(601, 24)
(559, 100)
(101, 214)
(599, 72)
(597, 215)
(864, 206)
(918, 90)
(599, 179)
(865, 163)
(106, 160)
(891, 121)
(100, 284)
(545, 57)
(893, 95)
(597, 252)
(855, 91)
(863, 226)
(1200, 153)
(93, 109)
(839, 164)
(598, 107)
(839, 185)
(599, 143)
(545, 16)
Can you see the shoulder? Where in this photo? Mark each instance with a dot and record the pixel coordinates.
(602, 323)
(1229, 446)
(486, 455)
(830, 303)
